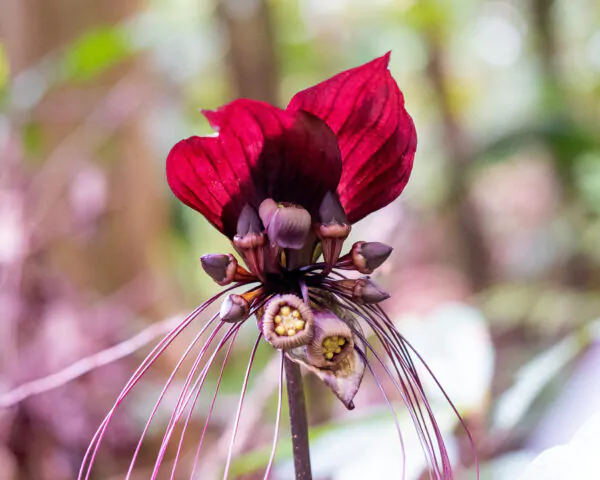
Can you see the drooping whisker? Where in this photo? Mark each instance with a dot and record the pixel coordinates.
(408, 346)
(184, 401)
(411, 389)
(196, 388)
(277, 420)
(407, 392)
(168, 384)
(412, 402)
(92, 450)
(389, 405)
(259, 303)
(212, 405)
(240, 405)
(414, 395)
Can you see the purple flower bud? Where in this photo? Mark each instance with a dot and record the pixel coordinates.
(220, 267)
(367, 291)
(368, 256)
(234, 308)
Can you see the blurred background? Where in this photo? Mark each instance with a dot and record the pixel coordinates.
(496, 270)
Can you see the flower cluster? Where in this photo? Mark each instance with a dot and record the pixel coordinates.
(285, 186)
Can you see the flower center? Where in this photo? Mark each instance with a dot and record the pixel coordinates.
(288, 321)
(332, 346)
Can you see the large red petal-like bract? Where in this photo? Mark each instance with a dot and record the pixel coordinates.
(365, 109)
(349, 134)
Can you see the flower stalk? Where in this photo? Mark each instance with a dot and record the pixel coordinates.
(298, 420)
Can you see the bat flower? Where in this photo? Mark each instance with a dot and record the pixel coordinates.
(285, 186)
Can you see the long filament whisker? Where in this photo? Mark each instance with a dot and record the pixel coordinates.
(183, 398)
(257, 305)
(92, 450)
(197, 387)
(414, 406)
(406, 392)
(447, 397)
(166, 387)
(390, 407)
(278, 419)
(239, 410)
(422, 432)
(212, 405)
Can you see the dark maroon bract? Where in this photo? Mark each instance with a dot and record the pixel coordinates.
(285, 186)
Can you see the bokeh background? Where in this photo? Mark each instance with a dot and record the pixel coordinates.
(495, 274)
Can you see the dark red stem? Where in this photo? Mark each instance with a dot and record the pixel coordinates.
(298, 420)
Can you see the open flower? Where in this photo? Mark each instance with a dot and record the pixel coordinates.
(285, 186)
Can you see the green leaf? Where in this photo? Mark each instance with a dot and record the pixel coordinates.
(95, 52)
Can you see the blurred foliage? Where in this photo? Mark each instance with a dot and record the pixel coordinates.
(95, 52)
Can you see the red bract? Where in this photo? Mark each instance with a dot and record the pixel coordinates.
(350, 133)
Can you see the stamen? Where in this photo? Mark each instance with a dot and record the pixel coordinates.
(287, 322)
(332, 341)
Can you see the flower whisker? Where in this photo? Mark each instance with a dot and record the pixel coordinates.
(389, 406)
(183, 402)
(92, 450)
(168, 384)
(277, 419)
(240, 405)
(407, 348)
(209, 414)
(410, 387)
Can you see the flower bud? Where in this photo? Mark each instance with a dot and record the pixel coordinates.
(367, 291)
(287, 322)
(332, 341)
(368, 256)
(234, 308)
(220, 267)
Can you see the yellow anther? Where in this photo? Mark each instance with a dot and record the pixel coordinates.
(341, 342)
(291, 332)
(338, 350)
(296, 314)
(277, 319)
(285, 310)
(280, 330)
(329, 355)
(299, 324)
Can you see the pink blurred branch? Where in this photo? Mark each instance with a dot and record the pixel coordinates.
(87, 364)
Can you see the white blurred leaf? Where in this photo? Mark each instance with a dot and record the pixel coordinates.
(578, 460)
